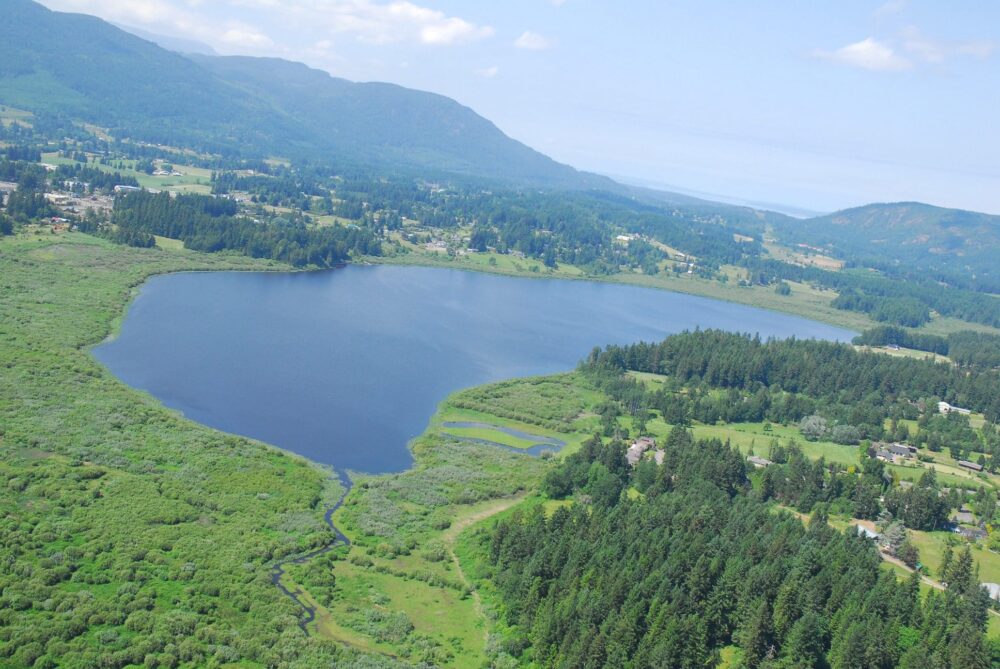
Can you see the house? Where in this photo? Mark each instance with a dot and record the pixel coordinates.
(894, 452)
(758, 461)
(125, 189)
(865, 532)
(974, 466)
(903, 449)
(884, 455)
(659, 456)
(638, 447)
(945, 408)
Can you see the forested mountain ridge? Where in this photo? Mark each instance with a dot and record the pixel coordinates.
(908, 239)
(248, 106)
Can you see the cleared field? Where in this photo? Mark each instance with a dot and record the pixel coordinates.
(800, 257)
(10, 116)
(168, 244)
(932, 545)
(192, 179)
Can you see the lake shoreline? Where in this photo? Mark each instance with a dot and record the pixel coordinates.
(697, 287)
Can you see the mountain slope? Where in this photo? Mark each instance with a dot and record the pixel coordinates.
(390, 124)
(908, 236)
(87, 69)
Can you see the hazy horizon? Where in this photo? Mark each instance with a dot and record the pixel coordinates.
(812, 108)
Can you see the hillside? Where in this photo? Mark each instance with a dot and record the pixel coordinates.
(905, 237)
(249, 106)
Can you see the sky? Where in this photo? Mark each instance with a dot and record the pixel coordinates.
(810, 105)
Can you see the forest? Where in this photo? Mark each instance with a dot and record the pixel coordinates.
(211, 224)
(699, 562)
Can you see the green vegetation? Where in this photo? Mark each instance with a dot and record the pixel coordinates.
(698, 564)
(240, 106)
(134, 536)
(130, 534)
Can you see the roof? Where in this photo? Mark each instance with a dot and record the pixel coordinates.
(634, 453)
(964, 517)
(970, 465)
(993, 589)
(758, 461)
(865, 532)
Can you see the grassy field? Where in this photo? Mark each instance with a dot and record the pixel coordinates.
(168, 244)
(193, 179)
(10, 116)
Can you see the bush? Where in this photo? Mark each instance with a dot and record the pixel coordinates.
(813, 427)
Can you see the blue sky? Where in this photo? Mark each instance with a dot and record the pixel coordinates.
(814, 105)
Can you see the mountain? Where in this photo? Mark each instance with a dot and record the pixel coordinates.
(82, 67)
(909, 237)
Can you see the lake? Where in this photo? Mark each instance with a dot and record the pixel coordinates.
(346, 366)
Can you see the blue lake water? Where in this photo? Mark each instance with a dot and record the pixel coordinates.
(346, 366)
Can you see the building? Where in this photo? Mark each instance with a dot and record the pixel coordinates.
(865, 532)
(974, 466)
(125, 189)
(758, 461)
(894, 452)
(945, 408)
(638, 447)
(884, 455)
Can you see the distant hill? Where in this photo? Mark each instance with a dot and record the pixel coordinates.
(85, 68)
(910, 237)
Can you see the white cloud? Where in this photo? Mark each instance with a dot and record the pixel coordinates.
(374, 22)
(934, 52)
(532, 41)
(396, 21)
(867, 54)
(488, 72)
